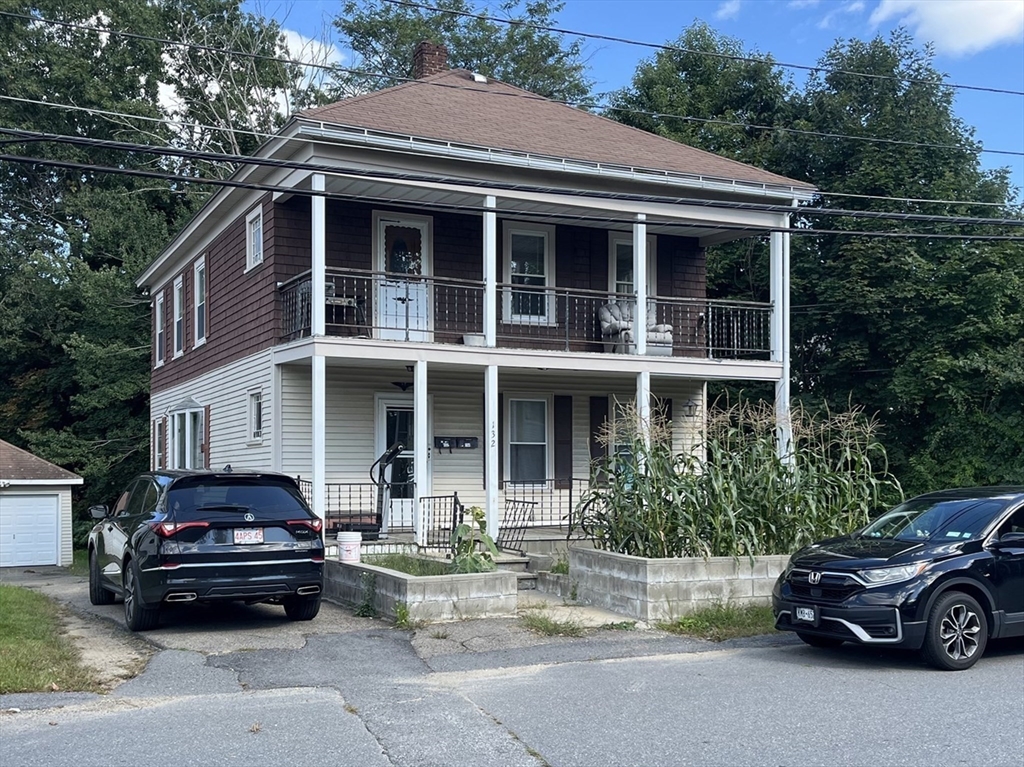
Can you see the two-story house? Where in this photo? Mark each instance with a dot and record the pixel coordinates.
(455, 265)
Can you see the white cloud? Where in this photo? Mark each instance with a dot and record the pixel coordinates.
(307, 49)
(730, 9)
(798, 4)
(846, 9)
(957, 27)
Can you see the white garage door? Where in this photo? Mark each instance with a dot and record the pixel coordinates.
(28, 529)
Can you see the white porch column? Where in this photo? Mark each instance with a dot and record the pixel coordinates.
(422, 444)
(319, 436)
(490, 255)
(780, 340)
(643, 402)
(318, 259)
(490, 446)
(640, 283)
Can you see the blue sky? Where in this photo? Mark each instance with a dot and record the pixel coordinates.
(977, 42)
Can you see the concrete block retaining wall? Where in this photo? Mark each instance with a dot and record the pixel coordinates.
(663, 589)
(427, 597)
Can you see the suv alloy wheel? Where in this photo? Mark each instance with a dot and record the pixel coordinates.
(957, 632)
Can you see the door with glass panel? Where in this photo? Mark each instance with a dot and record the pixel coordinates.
(403, 293)
(395, 423)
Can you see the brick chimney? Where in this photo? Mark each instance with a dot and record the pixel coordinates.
(429, 59)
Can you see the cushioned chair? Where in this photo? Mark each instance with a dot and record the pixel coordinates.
(617, 329)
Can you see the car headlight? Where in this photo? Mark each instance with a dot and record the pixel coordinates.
(880, 575)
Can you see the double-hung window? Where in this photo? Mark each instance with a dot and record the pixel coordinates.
(255, 416)
(620, 267)
(528, 454)
(529, 273)
(179, 316)
(159, 444)
(199, 290)
(187, 437)
(160, 336)
(254, 238)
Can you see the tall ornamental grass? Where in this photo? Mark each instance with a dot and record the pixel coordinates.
(731, 494)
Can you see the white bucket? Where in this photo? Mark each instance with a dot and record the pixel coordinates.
(348, 546)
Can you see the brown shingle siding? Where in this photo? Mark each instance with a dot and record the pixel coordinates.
(240, 306)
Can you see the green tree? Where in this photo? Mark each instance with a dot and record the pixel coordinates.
(74, 330)
(383, 36)
(927, 333)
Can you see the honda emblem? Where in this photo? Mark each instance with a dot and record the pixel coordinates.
(250, 517)
(814, 578)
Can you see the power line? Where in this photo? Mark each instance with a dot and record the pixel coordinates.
(266, 135)
(529, 96)
(191, 154)
(759, 230)
(715, 54)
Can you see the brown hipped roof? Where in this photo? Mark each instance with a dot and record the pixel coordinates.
(16, 464)
(451, 106)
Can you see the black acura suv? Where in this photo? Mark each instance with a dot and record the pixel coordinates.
(941, 573)
(201, 536)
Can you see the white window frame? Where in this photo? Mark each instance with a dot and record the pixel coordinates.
(254, 403)
(614, 238)
(159, 444)
(549, 318)
(179, 316)
(254, 258)
(160, 336)
(199, 278)
(194, 435)
(549, 436)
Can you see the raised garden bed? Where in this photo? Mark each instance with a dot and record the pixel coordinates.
(392, 594)
(663, 589)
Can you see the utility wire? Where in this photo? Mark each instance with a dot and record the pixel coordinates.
(528, 96)
(266, 135)
(759, 230)
(333, 170)
(715, 54)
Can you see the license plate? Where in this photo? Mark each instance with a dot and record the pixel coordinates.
(806, 614)
(248, 535)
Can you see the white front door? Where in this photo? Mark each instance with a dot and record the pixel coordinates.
(403, 293)
(28, 530)
(395, 423)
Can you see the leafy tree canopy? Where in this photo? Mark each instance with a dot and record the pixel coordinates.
(383, 36)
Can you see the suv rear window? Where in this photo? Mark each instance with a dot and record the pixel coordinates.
(230, 495)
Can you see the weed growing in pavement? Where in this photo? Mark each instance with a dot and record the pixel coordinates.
(402, 619)
(723, 621)
(619, 626)
(366, 608)
(544, 624)
(439, 634)
(561, 565)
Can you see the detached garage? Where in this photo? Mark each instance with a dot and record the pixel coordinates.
(35, 510)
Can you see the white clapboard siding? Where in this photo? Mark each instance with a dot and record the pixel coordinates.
(296, 440)
(226, 392)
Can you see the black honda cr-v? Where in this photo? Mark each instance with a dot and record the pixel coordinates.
(942, 573)
(200, 536)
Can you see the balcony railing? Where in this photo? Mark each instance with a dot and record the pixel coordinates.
(449, 311)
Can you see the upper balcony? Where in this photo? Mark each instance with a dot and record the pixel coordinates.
(440, 310)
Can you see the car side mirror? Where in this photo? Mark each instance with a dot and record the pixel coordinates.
(1009, 541)
(99, 512)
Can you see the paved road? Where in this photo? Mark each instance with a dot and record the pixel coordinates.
(355, 692)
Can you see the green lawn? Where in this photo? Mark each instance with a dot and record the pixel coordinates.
(34, 653)
(80, 565)
(724, 622)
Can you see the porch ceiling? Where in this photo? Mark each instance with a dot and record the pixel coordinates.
(595, 212)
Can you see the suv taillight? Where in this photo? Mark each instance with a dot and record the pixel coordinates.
(170, 529)
(313, 524)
